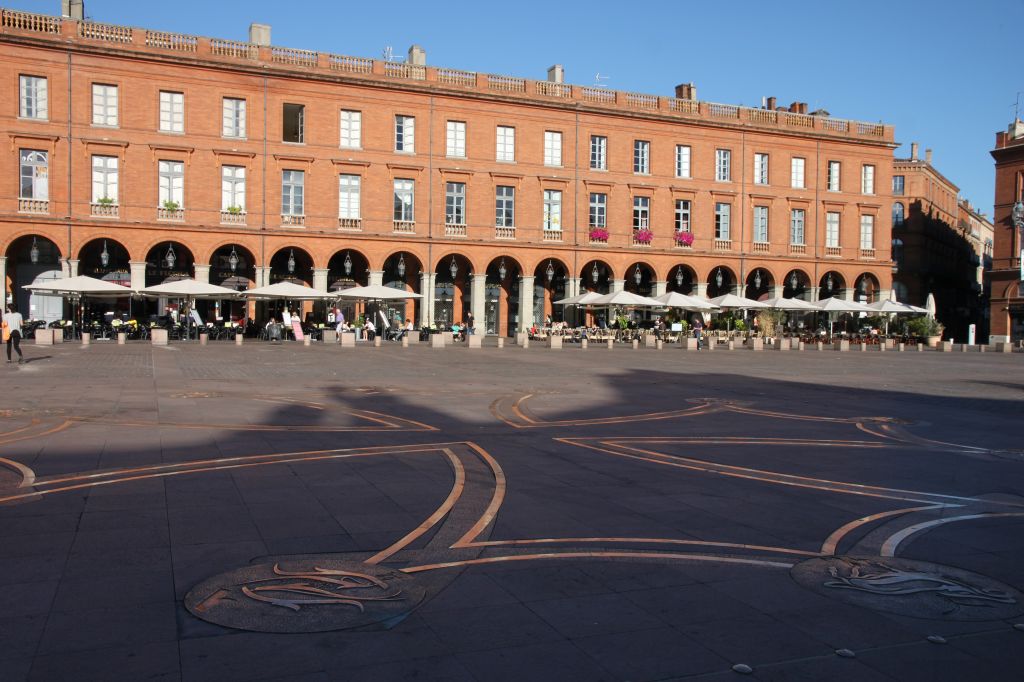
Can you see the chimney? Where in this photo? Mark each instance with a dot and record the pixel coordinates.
(771, 104)
(259, 34)
(556, 74)
(928, 156)
(803, 107)
(913, 151)
(686, 91)
(73, 9)
(417, 56)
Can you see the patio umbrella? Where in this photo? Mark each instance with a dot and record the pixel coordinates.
(789, 304)
(674, 299)
(586, 298)
(734, 302)
(840, 305)
(188, 288)
(78, 286)
(626, 299)
(287, 291)
(376, 292)
(929, 305)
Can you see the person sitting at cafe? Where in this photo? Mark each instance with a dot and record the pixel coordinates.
(369, 330)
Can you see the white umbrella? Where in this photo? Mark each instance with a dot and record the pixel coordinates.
(789, 304)
(929, 305)
(188, 288)
(376, 292)
(732, 301)
(888, 306)
(289, 291)
(674, 299)
(840, 305)
(77, 286)
(586, 298)
(627, 299)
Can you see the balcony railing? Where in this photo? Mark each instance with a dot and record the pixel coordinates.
(834, 251)
(104, 210)
(506, 83)
(761, 247)
(404, 227)
(504, 233)
(176, 214)
(643, 243)
(350, 64)
(456, 77)
(177, 42)
(26, 21)
(232, 48)
(33, 206)
(232, 218)
(549, 89)
(797, 249)
(867, 254)
(109, 33)
(552, 235)
(350, 224)
(414, 72)
(289, 55)
(292, 220)
(723, 245)
(454, 230)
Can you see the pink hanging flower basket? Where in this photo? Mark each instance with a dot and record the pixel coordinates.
(599, 234)
(643, 236)
(684, 238)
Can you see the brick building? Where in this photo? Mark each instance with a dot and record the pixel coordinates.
(144, 155)
(978, 230)
(1007, 277)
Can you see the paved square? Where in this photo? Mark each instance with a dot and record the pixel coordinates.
(282, 512)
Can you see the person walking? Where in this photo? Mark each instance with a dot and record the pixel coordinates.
(698, 329)
(12, 332)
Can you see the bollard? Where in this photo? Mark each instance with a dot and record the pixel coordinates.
(1004, 347)
(555, 342)
(799, 345)
(376, 341)
(239, 338)
(820, 345)
(731, 345)
(475, 341)
(86, 337)
(756, 343)
(901, 347)
(920, 348)
(945, 346)
(158, 336)
(881, 347)
(405, 341)
(650, 341)
(842, 345)
(437, 340)
(636, 344)
(203, 339)
(583, 344)
(525, 343)
(308, 341)
(659, 344)
(611, 344)
(964, 347)
(501, 342)
(782, 344)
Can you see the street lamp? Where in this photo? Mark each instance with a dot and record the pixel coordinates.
(829, 282)
(233, 260)
(793, 281)
(550, 272)
(757, 280)
(637, 275)
(170, 258)
(348, 264)
(33, 253)
(718, 278)
(104, 255)
(291, 261)
(401, 265)
(679, 276)
(502, 270)
(595, 274)
(454, 268)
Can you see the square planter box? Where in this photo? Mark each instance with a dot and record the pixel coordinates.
(158, 337)
(437, 340)
(44, 337)
(555, 342)
(474, 341)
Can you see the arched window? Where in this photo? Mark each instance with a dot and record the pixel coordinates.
(897, 214)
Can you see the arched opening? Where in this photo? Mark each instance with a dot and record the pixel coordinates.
(682, 279)
(866, 288)
(295, 265)
(797, 285)
(167, 262)
(831, 285)
(760, 285)
(501, 296)
(34, 259)
(402, 271)
(721, 281)
(550, 278)
(640, 279)
(453, 276)
(232, 266)
(108, 260)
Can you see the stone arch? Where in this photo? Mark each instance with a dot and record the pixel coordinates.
(600, 283)
(866, 287)
(721, 280)
(760, 284)
(300, 271)
(831, 285)
(639, 278)
(797, 284)
(681, 277)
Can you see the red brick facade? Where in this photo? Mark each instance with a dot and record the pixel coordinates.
(1007, 297)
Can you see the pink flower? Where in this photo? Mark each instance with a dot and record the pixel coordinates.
(598, 234)
(684, 238)
(643, 236)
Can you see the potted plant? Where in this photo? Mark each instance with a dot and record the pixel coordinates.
(235, 210)
(643, 236)
(927, 328)
(105, 201)
(171, 205)
(598, 234)
(684, 238)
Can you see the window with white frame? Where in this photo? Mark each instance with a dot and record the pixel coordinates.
(505, 143)
(504, 206)
(897, 214)
(293, 186)
(552, 209)
(233, 119)
(172, 112)
(761, 224)
(552, 148)
(682, 161)
(867, 179)
(172, 185)
(833, 176)
(641, 213)
(348, 197)
(897, 185)
(797, 224)
(35, 175)
(723, 165)
(351, 127)
(455, 203)
(405, 133)
(682, 215)
(598, 152)
(232, 189)
(760, 169)
(104, 105)
(832, 230)
(723, 219)
(455, 139)
(796, 175)
(867, 232)
(104, 179)
(598, 210)
(405, 200)
(641, 157)
(34, 100)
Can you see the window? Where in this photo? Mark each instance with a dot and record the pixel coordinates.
(723, 213)
(723, 160)
(867, 232)
(456, 139)
(351, 129)
(293, 123)
(797, 221)
(404, 200)
(897, 185)
(293, 183)
(552, 209)
(234, 118)
(797, 172)
(682, 161)
(761, 224)
(232, 189)
(552, 148)
(505, 206)
(348, 196)
(682, 215)
(599, 152)
(104, 105)
(641, 157)
(405, 134)
(172, 184)
(35, 176)
(867, 180)
(897, 214)
(641, 213)
(34, 99)
(455, 203)
(172, 112)
(760, 169)
(104, 179)
(832, 230)
(598, 210)
(506, 143)
(833, 176)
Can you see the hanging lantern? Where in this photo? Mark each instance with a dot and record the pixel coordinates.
(105, 255)
(829, 282)
(679, 276)
(550, 272)
(233, 260)
(291, 261)
(401, 265)
(502, 270)
(170, 258)
(863, 286)
(454, 268)
(718, 278)
(595, 273)
(793, 281)
(33, 253)
(757, 279)
(348, 264)
(637, 275)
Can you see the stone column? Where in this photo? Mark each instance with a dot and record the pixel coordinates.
(320, 279)
(262, 275)
(883, 295)
(813, 293)
(376, 277)
(848, 294)
(70, 267)
(572, 286)
(427, 302)
(618, 285)
(202, 273)
(525, 302)
(660, 288)
(777, 291)
(476, 303)
(138, 270)
(700, 289)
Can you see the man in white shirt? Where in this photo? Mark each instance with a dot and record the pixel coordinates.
(369, 330)
(12, 323)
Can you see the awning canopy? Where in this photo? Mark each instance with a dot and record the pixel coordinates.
(287, 291)
(732, 301)
(188, 288)
(79, 286)
(674, 299)
(376, 292)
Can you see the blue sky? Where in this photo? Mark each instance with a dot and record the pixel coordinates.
(942, 72)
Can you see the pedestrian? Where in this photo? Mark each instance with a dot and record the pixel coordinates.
(698, 328)
(12, 332)
(469, 323)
